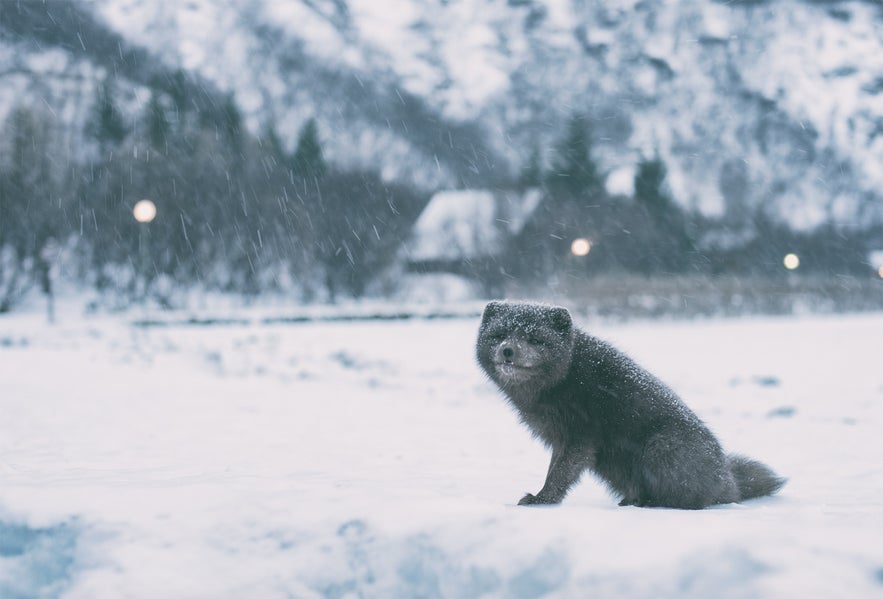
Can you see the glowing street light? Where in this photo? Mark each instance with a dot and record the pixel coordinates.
(580, 247)
(791, 261)
(144, 211)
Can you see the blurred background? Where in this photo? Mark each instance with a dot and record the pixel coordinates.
(628, 157)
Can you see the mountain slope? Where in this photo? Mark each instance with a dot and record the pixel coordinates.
(754, 106)
(371, 114)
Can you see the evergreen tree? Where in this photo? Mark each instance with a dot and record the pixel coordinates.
(156, 123)
(178, 91)
(649, 180)
(175, 87)
(574, 171)
(107, 125)
(668, 238)
(231, 121)
(271, 144)
(307, 160)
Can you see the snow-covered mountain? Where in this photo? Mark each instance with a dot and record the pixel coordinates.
(752, 104)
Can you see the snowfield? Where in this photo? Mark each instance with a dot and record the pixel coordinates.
(372, 459)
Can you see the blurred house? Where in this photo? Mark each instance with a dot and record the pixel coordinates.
(463, 234)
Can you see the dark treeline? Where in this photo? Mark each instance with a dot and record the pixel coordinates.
(236, 212)
(245, 213)
(241, 213)
(650, 233)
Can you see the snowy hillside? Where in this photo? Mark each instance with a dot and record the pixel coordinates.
(314, 461)
(750, 104)
(765, 103)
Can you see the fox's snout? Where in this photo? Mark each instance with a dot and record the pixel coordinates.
(506, 352)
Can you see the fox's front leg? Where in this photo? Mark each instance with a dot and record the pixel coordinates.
(565, 469)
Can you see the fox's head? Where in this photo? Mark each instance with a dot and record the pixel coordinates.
(525, 345)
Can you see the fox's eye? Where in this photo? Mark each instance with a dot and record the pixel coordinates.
(535, 341)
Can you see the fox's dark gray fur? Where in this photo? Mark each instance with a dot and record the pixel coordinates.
(598, 410)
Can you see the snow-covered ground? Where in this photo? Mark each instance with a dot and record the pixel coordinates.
(372, 459)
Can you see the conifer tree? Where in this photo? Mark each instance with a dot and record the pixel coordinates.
(157, 123)
(649, 190)
(271, 144)
(307, 160)
(107, 124)
(670, 237)
(574, 170)
(177, 86)
(232, 122)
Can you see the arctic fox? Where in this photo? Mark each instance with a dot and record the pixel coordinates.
(598, 410)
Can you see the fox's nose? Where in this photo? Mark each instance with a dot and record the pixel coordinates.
(507, 351)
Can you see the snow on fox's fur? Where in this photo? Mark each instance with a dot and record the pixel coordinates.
(599, 411)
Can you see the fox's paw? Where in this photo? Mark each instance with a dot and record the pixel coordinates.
(539, 499)
(529, 499)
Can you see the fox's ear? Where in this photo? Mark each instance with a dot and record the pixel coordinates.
(560, 318)
(491, 310)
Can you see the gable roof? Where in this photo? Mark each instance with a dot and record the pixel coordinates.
(470, 224)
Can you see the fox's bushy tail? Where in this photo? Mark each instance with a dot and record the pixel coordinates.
(753, 478)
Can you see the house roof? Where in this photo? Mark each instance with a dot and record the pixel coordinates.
(469, 223)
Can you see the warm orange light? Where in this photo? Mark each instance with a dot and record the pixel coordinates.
(580, 247)
(144, 211)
